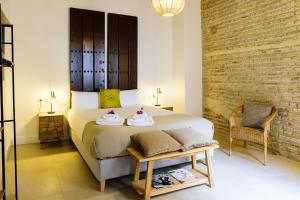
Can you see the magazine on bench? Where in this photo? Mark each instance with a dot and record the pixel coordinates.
(183, 175)
(162, 180)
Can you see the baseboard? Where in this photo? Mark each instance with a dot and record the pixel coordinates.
(33, 140)
(27, 140)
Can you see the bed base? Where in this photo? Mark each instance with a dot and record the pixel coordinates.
(116, 167)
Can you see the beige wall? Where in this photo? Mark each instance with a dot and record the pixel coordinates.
(42, 58)
(187, 59)
(42, 44)
(251, 55)
(193, 57)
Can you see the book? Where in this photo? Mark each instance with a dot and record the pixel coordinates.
(183, 175)
(162, 180)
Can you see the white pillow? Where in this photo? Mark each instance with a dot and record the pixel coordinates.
(129, 97)
(85, 100)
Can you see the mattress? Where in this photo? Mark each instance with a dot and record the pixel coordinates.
(112, 141)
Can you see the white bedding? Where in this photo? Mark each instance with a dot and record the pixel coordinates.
(78, 118)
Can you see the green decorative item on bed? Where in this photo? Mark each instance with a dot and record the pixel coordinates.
(110, 98)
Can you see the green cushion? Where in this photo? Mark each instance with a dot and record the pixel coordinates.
(110, 98)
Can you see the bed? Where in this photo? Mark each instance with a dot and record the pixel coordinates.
(104, 147)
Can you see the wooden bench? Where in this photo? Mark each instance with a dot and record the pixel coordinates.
(144, 187)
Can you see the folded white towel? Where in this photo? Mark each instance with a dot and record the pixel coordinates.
(138, 122)
(140, 116)
(110, 116)
(110, 122)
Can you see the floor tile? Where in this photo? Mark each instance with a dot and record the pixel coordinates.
(59, 173)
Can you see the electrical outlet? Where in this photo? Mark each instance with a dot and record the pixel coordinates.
(42, 100)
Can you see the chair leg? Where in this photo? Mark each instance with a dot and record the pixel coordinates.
(265, 153)
(230, 146)
(245, 144)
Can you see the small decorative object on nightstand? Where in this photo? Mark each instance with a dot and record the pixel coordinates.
(51, 127)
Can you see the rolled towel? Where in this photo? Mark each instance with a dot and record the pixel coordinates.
(140, 116)
(138, 122)
(110, 116)
(110, 122)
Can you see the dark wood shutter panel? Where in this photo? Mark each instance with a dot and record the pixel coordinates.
(99, 50)
(76, 49)
(87, 50)
(133, 47)
(113, 51)
(122, 52)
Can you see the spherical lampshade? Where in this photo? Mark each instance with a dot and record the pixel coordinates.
(168, 8)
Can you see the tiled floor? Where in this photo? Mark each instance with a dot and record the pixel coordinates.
(59, 173)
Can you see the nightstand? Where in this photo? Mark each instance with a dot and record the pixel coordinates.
(51, 127)
(170, 108)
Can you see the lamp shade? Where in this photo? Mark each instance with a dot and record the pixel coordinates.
(158, 91)
(53, 97)
(168, 8)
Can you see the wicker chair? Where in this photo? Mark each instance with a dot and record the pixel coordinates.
(255, 135)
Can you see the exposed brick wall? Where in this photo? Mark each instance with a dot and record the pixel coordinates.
(252, 55)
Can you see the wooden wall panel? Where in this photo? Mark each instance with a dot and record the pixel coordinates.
(76, 49)
(99, 50)
(133, 52)
(122, 52)
(87, 50)
(113, 52)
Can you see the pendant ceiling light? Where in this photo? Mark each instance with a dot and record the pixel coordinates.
(168, 8)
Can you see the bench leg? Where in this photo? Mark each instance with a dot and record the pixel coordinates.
(102, 186)
(209, 169)
(194, 161)
(137, 171)
(195, 166)
(148, 185)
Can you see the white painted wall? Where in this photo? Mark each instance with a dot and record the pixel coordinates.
(187, 59)
(178, 63)
(42, 54)
(193, 57)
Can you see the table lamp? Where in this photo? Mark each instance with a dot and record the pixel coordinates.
(158, 92)
(52, 101)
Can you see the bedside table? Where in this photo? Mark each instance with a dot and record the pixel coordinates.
(51, 127)
(170, 108)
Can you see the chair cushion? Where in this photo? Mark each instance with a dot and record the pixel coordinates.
(155, 142)
(254, 116)
(190, 138)
(249, 134)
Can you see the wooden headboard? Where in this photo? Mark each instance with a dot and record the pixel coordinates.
(87, 51)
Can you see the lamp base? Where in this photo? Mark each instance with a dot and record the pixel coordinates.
(51, 112)
(157, 105)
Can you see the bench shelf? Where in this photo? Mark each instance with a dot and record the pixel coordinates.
(144, 187)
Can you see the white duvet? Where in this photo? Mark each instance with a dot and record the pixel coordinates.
(78, 118)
